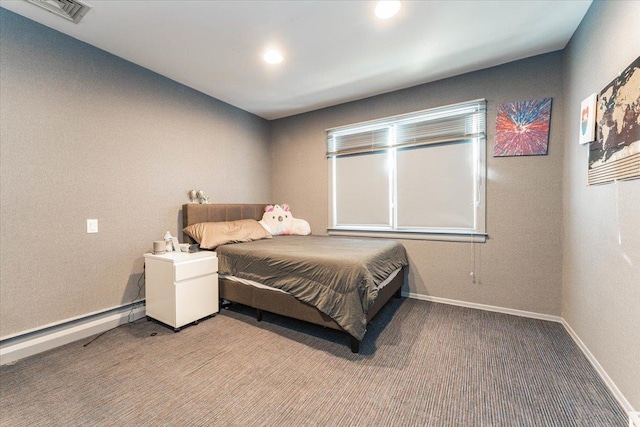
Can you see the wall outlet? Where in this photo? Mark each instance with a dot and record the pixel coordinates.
(92, 226)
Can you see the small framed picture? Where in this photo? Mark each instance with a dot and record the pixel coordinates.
(588, 119)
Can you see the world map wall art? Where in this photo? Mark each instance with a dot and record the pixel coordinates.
(522, 128)
(615, 153)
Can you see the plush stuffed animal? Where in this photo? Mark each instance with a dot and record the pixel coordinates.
(278, 221)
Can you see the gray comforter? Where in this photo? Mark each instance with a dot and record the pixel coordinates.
(339, 276)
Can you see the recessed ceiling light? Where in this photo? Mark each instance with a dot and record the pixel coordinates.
(272, 56)
(387, 8)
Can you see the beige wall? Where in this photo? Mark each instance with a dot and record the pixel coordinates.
(601, 292)
(520, 267)
(85, 134)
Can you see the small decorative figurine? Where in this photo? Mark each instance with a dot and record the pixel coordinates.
(201, 197)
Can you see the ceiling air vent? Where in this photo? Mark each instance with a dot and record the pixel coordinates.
(73, 10)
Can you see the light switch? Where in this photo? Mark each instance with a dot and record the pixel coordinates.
(92, 226)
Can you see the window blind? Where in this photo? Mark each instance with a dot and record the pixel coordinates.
(356, 141)
(437, 125)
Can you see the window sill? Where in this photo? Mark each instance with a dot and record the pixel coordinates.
(444, 237)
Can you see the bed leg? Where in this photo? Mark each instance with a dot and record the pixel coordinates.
(355, 345)
(398, 293)
(258, 315)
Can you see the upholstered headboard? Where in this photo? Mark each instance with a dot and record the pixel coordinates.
(193, 213)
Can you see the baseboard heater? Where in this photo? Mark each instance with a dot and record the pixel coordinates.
(34, 342)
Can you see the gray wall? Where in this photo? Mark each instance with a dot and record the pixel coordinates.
(601, 292)
(85, 134)
(520, 266)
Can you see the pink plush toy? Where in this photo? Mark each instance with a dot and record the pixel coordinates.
(278, 221)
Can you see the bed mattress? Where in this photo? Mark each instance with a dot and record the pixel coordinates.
(339, 276)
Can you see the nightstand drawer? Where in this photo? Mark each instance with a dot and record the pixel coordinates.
(196, 298)
(195, 268)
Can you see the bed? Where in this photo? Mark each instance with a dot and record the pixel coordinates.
(275, 289)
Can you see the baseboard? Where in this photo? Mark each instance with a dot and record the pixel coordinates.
(603, 374)
(634, 417)
(485, 307)
(36, 342)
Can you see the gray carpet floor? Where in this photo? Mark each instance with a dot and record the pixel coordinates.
(421, 364)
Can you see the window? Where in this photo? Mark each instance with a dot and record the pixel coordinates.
(418, 175)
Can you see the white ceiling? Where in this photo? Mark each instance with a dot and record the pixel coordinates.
(335, 51)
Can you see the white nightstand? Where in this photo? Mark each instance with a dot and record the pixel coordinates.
(181, 287)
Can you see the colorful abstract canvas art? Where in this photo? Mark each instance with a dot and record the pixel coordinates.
(522, 128)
